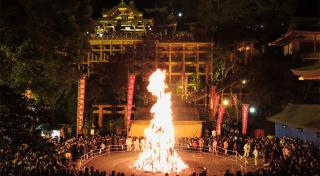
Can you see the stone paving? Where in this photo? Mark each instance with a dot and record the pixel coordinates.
(215, 165)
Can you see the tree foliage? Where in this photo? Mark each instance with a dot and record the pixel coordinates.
(19, 117)
(244, 16)
(41, 43)
(270, 83)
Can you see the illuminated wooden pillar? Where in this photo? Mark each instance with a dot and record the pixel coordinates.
(110, 49)
(100, 116)
(121, 47)
(157, 54)
(170, 63)
(211, 60)
(185, 77)
(101, 50)
(197, 63)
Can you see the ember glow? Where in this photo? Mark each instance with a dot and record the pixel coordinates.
(159, 154)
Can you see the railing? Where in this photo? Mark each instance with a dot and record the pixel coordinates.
(229, 154)
(87, 157)
(117, 37)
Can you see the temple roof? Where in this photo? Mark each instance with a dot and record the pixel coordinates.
(299, 116)
(292, 35)
(310, 72)
(122, 5)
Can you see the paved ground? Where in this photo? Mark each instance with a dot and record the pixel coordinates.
(197, 162)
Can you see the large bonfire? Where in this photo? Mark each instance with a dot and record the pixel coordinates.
(159, 154)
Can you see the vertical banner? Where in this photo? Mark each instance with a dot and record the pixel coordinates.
(215, 105)
(131, 79)
(183, 78)
(219, 121)
(245, 109)
(80, 108)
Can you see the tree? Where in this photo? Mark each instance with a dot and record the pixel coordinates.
(270, 84)
(19, 117)
(42, 42)
(232, 21)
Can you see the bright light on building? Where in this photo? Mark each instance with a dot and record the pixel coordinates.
(225, 102)
(55, 133)
(180, 14)
(252, 110)
(244, 81)
(247, 48)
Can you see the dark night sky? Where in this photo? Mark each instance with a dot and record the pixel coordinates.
(308, 8)
(305, 8)
(108, 4)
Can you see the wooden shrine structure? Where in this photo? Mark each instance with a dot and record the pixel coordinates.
(104, 109)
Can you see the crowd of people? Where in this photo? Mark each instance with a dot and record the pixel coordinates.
(77, 147)
(272, 155)
(280, 156)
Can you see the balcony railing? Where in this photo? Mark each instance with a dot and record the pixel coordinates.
(117, 37)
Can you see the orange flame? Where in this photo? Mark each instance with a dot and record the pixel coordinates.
(159, 154)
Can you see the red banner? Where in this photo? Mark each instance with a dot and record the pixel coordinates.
(131, 80)
(245, 110)
(80, 108)
(219, 121)
(215, 106)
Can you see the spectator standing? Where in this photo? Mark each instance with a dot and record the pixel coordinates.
(225, 146)
(256, 155)
(214, 146)
(142, 142)
(246, 149)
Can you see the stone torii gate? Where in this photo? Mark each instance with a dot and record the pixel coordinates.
(111, 109)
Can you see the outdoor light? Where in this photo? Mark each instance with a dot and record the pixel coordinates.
(180, 14)
(225, 102)
(55, 133)
(247, 48)
(243, 81)
(252, 110)
(301, 78)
